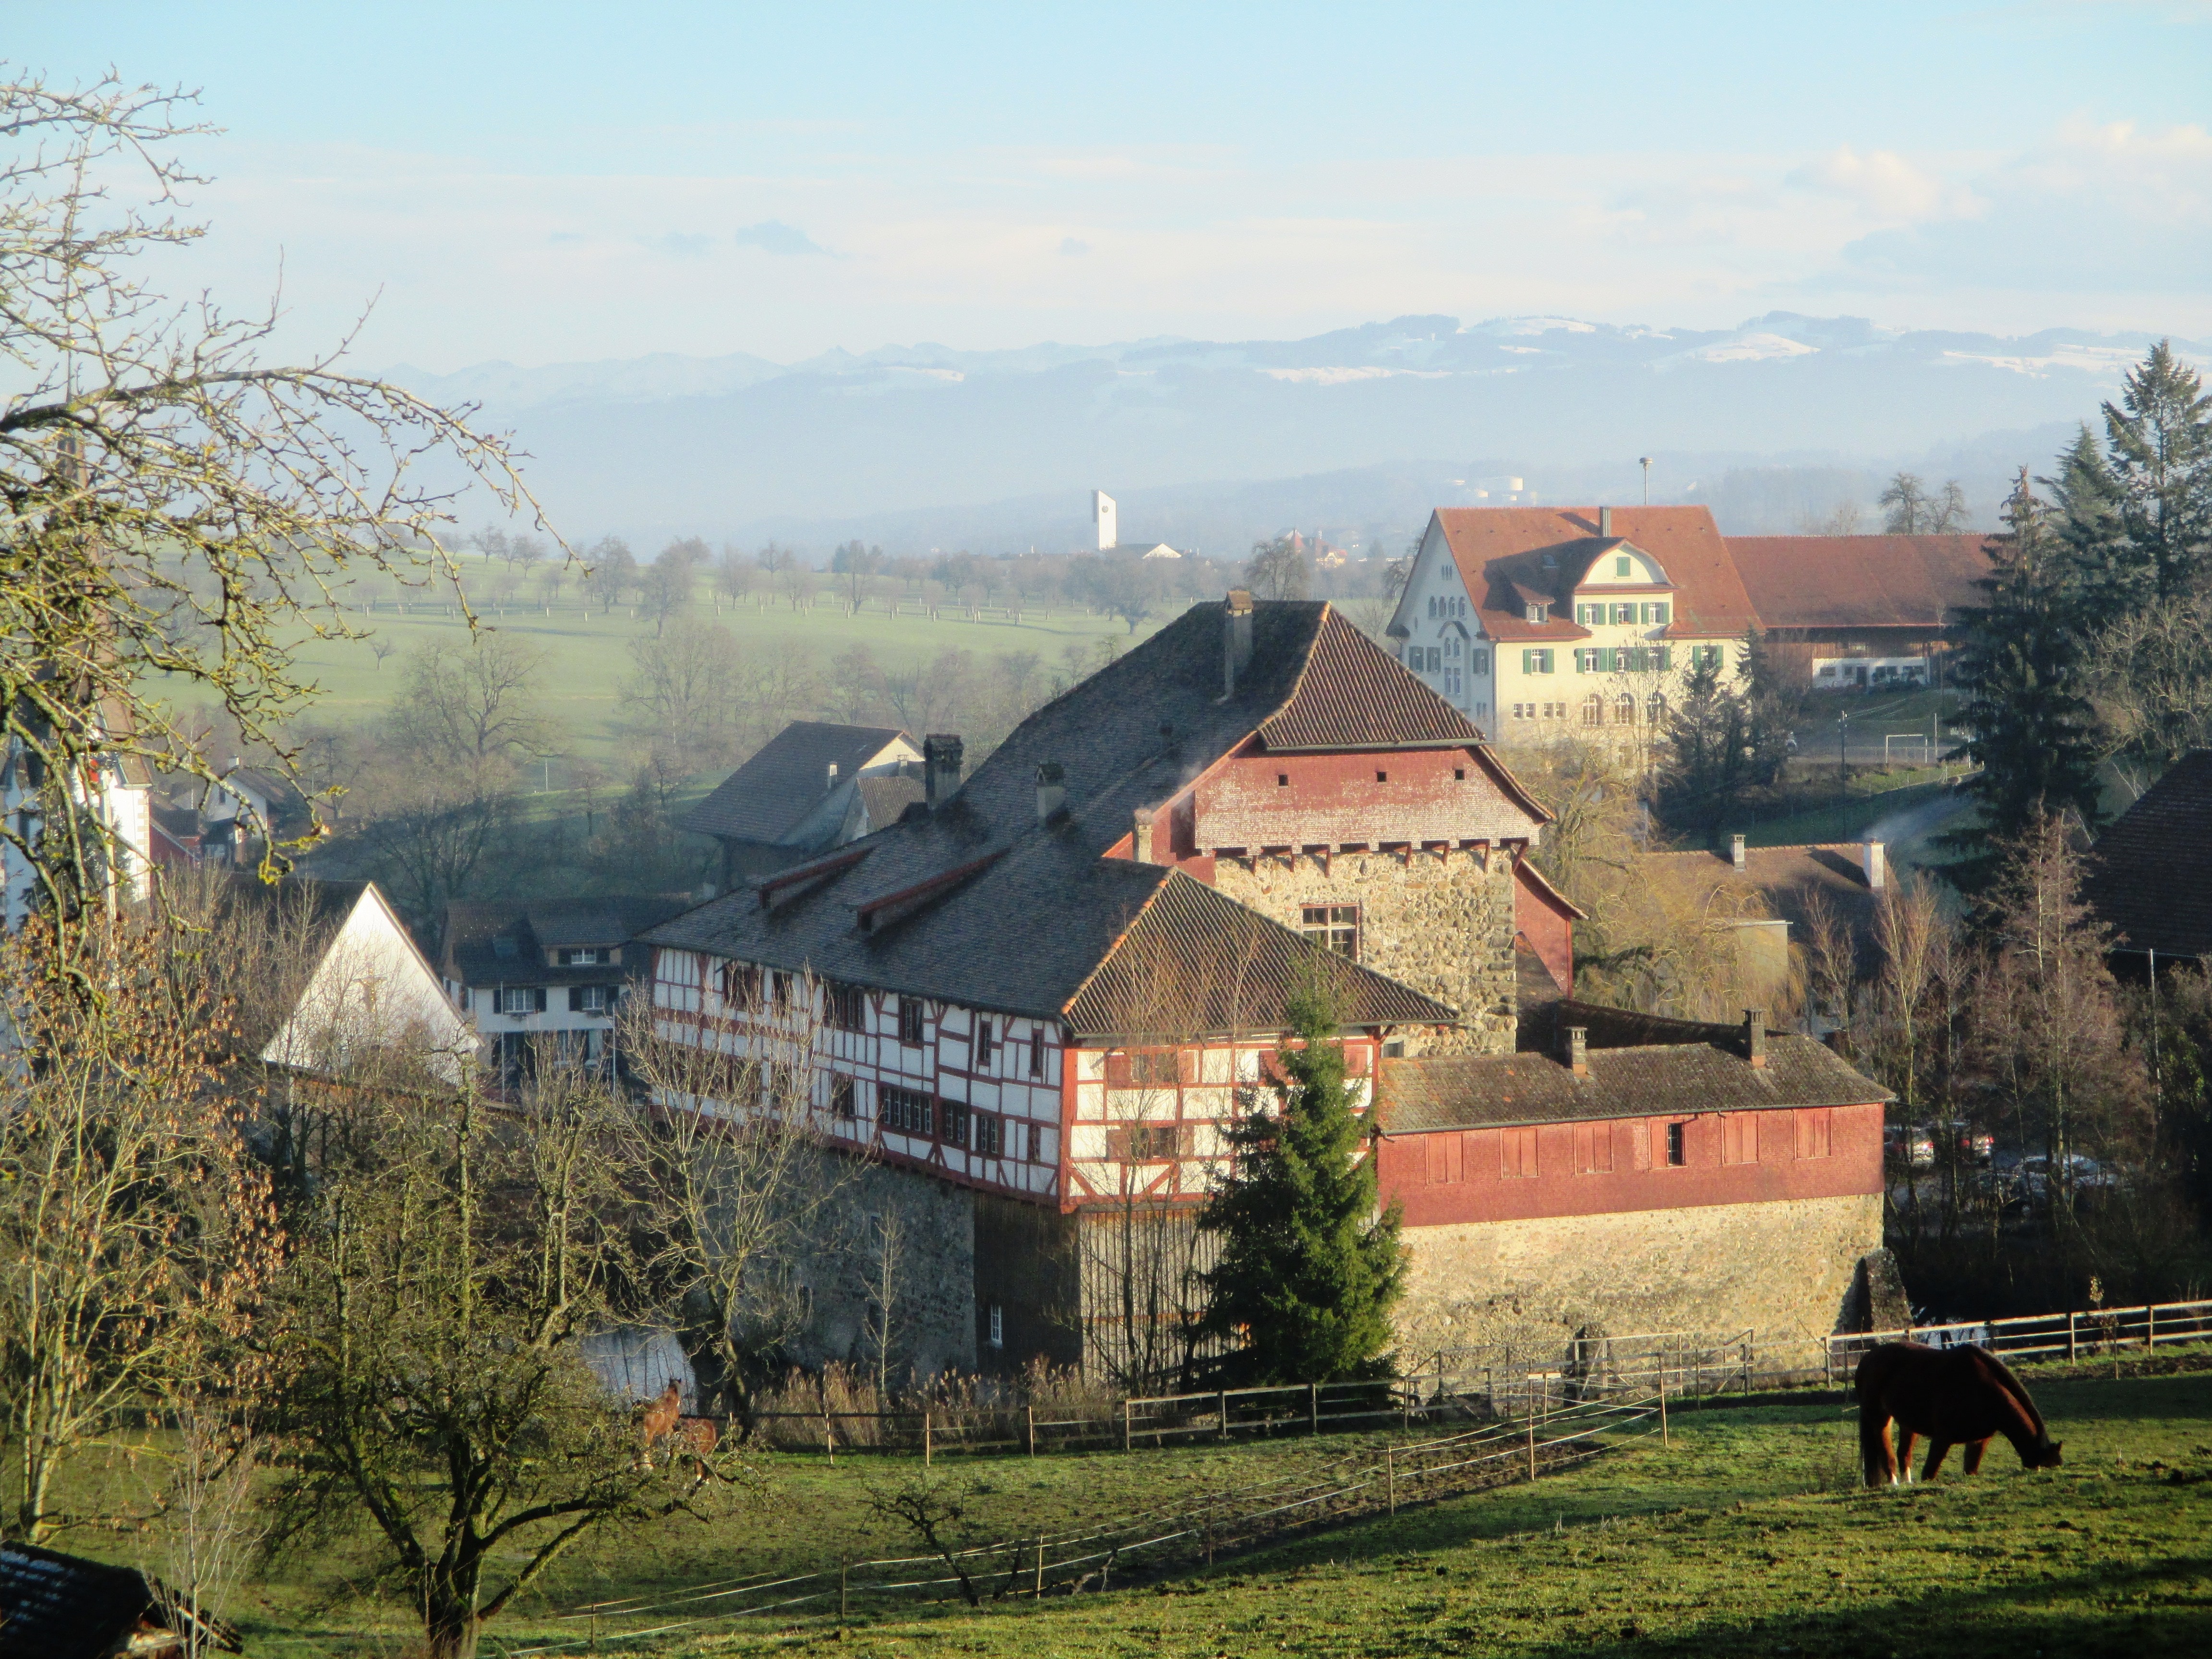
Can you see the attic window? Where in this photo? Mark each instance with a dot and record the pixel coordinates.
(1536, 613)
(1282, 780)
(1621, 565)
(1459, 775)
(1382, 776)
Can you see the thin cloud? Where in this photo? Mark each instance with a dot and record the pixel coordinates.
(1074, 247)
(774, 236)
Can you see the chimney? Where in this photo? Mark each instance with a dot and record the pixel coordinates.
(1605, 521)
(1754, 1035)
(1877, 865)
(1236, 638)
(1736, 851)
(832, 782)
(1052, 790)
(1140, 839)
(940, 769)
(1578, 1050)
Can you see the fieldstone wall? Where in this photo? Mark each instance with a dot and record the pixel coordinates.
(932, 1314)
(1440, 920)
(1783, 1269)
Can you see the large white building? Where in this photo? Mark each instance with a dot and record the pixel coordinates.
(1536, 620)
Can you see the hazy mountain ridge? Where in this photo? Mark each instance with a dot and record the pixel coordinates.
(930, 446)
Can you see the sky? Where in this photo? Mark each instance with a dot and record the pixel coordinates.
(550, 182)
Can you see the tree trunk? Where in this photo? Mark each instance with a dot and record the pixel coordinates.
(450, 1624)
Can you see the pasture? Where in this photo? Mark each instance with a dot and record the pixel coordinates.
(1750, 1534)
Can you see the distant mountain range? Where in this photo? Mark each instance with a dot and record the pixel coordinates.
(1213, 443)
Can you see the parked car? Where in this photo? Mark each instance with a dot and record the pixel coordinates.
(1973, 1144)
(1911, 1145)
(2084, 1172)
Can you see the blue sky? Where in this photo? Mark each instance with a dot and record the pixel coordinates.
(548, 182)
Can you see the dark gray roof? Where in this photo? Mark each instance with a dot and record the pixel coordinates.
(1469, 1092)
(475, 928)
(885, 797)
(1026, 930)
(2146, 878)
(64, 1606)
(765, 798)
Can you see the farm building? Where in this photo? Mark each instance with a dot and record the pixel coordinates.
(1038, 1001)
(1637, 1175)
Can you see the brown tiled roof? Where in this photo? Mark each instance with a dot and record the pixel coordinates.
(2147, 876)
(1497, 548)
(1194, 961)
(1860, 581)
(770, 794)
(1674, 1076)
(1351, 694)
(1028, 932)
(1776, 882)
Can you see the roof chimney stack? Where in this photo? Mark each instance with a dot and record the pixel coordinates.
(832, 782)
(1578, 1050)
(1877, 865)
(940, 769)
(1140, 837)
(1754, 1035)
(1736, 851)
(1052, 790)
(1605, 521)
(1236, 638)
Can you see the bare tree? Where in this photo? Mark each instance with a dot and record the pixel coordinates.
(885, 1283)
(135, 1233)
(682, 689)
(179, 512)
(473, 704)
(380, 647)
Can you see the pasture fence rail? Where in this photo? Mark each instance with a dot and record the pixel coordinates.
(2096, 1332)
(1035, 1565)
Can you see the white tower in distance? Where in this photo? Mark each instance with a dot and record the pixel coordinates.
(1102, 514)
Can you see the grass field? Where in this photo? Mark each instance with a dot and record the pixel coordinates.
(1749, 1535)
(588, 652)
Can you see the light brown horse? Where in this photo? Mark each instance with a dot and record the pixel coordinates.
(663, 1418)
(1956, 1396)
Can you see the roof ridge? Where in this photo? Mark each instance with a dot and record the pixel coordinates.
(1121, 936)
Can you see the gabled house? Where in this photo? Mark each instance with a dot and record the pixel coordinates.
(1863, 612)
(1633, 1174)
(323, 974)
(813, 786)
(1535, 621)
(547, 974)
(2145, 877)
(1042, 995)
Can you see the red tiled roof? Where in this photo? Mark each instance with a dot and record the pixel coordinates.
(1860, 581)
(1351, 694)
(1499, 547)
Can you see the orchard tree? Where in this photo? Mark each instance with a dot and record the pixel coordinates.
(180, 512)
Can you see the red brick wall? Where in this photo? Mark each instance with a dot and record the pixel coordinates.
(1336, 800)
(1415, 1172)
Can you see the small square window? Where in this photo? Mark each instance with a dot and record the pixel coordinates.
(1459, 775)
(1382, 777)
(1335, 927)
(1282, 780)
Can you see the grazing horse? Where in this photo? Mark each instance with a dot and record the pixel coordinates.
(1956, 1396)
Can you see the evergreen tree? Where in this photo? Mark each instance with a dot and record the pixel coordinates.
(2021, 669)
(2097, 560)
(1308, 1271)
(2161, 445)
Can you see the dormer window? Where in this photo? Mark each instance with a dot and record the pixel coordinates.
(1536, 613)
(1621, 567)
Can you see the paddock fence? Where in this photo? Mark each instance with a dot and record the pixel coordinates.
(2083, 1332)
(1373, 1480)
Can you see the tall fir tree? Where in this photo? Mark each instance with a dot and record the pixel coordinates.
(2098, 561)
(2160, 440)
(1308, 1270)
(2021, 669)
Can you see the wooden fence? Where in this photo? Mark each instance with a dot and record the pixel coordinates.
(2097, 1332)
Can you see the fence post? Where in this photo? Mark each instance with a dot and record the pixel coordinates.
(1029, 1413)
(1125, 1423)
(1221, 1404)
(2150, 1329)
(1040, 1567)
(1390, 1475)
(2069, 1333)
(1313, 1408)
(925, 1440)
(1663, 1439)
(829, 1438)
(1532, 1439)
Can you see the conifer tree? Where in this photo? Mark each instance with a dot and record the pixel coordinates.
(2101, 567)
(2033, 733)
(1308, 1271)
(2160, 439)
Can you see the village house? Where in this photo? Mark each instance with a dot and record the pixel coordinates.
(1634, 1175)
(546, 977)
(1857, 613)
(1536, 620)
(813, 786)
(1046, 993)
(117, 795)
(2145, 879)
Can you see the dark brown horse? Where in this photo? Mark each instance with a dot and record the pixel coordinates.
(1956, 1397)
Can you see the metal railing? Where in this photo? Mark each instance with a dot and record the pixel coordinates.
(2093, 1332)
